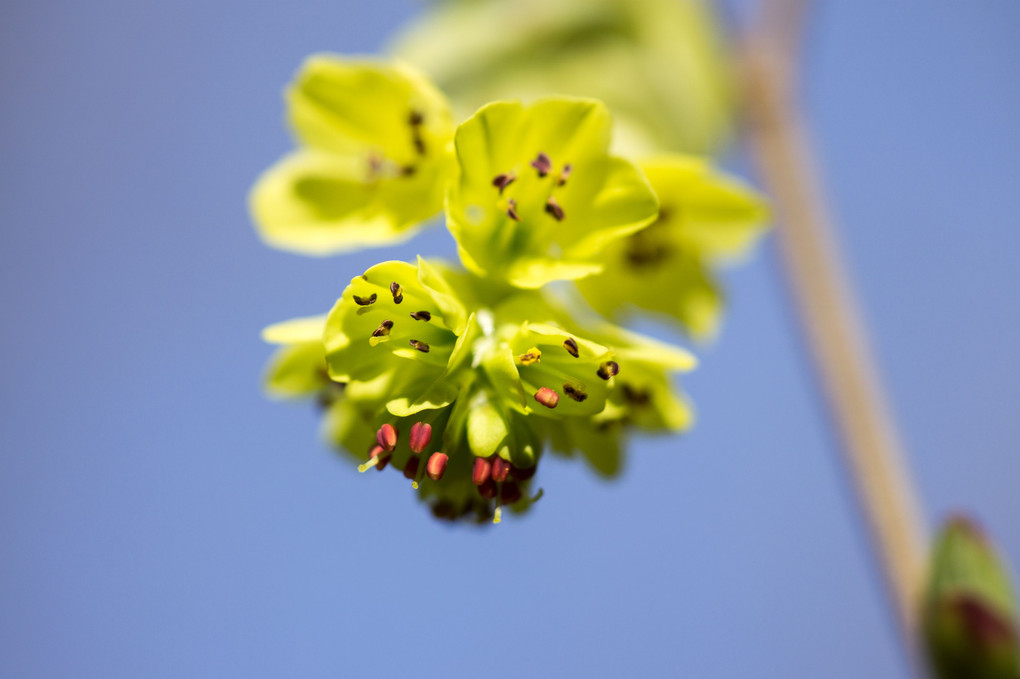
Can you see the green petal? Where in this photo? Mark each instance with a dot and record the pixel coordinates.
(599, 445)
(297, 371)
(534, 273)
(632, 346)
(359, 106)
(316, 203)
(487, 430)
(297, 330)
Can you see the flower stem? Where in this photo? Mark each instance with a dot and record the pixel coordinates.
(829, 313)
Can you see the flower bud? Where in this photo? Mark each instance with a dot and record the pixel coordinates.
(500, 469)
(436, 466)
(387, 437)
(421, 435)
(970, 615)
(481, 472)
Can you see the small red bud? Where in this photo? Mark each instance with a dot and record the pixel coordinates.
(547, 397)
(387, 437)
(421, 435)
(482, 471)
(500, 469)
(436, 466)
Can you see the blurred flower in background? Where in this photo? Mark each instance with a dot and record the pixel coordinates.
(660, 65)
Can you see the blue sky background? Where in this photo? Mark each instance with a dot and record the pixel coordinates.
(160, 518)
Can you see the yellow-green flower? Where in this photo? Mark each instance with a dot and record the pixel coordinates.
(460, 383)
(704, 218)
(537, 196)
(660, 65)
(372, 162)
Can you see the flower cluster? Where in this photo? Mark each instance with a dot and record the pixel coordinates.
(461, 376)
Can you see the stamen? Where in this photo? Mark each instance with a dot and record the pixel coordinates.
(383, 329)
(570, 344)
(511, 210)
(397, 292)
(532, 356)
(423, 347)
(488, 489)
(542, 163)
(500, 469)
(378, 459)
(408, 170)
(436, 465)
(509, 493)
(576, 393)
(565, 174)
(419, 143)
(503, 180)
(497, 516)
(415, 119)
(553, 208)
(482, 471)
(386, 437)
(421, 315)
(365, 301)
(608, 369)
(547, 397)
(421, 436)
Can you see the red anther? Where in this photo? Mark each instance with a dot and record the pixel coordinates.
(500, 469)
(524, 473)
(547, 397)
(509, 493)
(387, 437)
(411, 468)
(488, 489)
(421, 435)
(436, 465)
(482, 471)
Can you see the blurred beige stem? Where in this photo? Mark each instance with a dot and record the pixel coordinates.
(829, 313)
